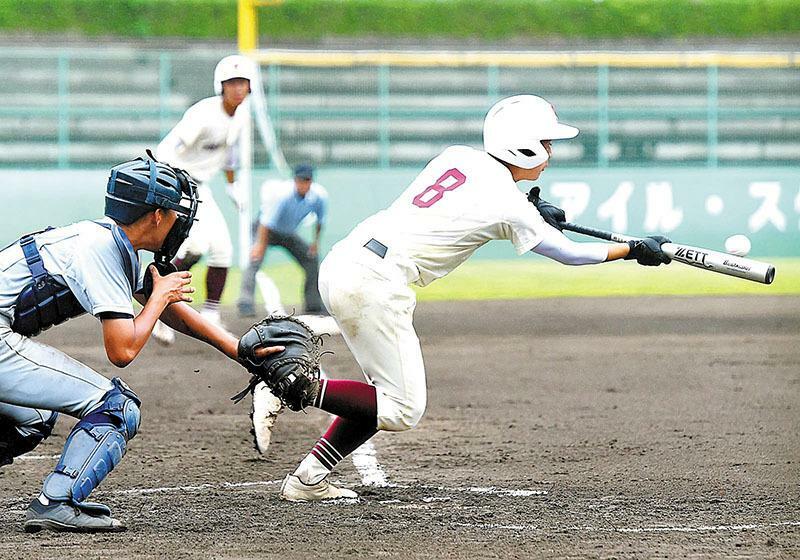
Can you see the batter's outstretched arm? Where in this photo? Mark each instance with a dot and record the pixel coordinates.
(557, 246)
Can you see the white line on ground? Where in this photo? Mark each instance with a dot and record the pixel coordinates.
(475, 490)
(365, 459)
(635, 530)
(235, 485)
(199, 487)
(37, 457)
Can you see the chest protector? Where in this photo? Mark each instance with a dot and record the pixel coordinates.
(45, 301)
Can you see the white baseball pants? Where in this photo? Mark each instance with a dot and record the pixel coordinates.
(374, 307)
(209, 235)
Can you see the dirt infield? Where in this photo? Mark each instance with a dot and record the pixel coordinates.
(583, 428)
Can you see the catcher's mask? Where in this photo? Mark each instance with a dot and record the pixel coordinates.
(142, 185)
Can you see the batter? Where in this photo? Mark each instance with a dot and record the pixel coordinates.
(464, 198)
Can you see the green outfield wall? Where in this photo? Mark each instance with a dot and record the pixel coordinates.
(697, 206)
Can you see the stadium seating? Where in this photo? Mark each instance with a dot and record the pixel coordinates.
(89, 108)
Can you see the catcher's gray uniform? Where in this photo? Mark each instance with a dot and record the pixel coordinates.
(36, 379)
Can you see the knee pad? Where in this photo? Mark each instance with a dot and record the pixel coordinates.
(96, 445)
(123, 404)
(18, 440)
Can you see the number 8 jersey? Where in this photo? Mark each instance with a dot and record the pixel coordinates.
(461, 200)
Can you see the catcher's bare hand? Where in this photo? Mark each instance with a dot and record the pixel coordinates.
(172, 287)
(265, 351)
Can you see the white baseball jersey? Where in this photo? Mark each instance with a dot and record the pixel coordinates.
(205, 139)
(204, 142)
(460, 201)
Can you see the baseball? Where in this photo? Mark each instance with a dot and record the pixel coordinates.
(737, 245)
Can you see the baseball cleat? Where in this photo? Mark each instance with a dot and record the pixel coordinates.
(70, 518)
(163, 334)
(212, 316)
(263, 413)
(293, 490)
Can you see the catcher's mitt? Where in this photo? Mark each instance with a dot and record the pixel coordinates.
(292, 375)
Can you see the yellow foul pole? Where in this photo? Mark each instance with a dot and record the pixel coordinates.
(248, 26)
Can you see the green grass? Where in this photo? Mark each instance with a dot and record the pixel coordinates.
(527, 278)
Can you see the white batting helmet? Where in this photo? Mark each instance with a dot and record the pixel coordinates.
(515, 127)
(233, 66)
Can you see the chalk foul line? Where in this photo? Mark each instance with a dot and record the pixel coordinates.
(633, 530)
(365, 460)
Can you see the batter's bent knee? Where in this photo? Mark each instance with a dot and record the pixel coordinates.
(399, 415)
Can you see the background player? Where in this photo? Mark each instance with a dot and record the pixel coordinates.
(204, 142)
(93, 267)
(284, 206)
(464, 198)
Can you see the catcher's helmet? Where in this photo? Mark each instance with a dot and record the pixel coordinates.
(230, 67)
(515, 127)
(142, 185)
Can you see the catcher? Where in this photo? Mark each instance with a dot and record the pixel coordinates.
(93, 267)
(464, 198)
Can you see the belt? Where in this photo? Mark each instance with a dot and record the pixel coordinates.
(376, 247)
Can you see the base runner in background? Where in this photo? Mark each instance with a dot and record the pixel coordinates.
(464, 198)
(285, 205)
(203, 143)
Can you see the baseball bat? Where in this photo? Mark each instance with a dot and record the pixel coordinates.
(704, 259)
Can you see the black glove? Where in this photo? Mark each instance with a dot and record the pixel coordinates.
(551, 213)
(292, 375)
(647, 251)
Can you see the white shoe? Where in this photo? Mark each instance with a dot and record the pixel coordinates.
(264, 412)
(293, 490)
(213, 316)
(163, 334)
(321, 324)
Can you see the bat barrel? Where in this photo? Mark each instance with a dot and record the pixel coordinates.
(722, 263)
(705, 259)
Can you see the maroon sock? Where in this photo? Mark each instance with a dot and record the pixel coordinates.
(354, 400)
(215, 283)
(342, 438)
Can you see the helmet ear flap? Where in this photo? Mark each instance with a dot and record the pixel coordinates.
(516, 127)
(537, 153)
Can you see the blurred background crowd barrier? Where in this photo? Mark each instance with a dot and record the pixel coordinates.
(77, 108)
